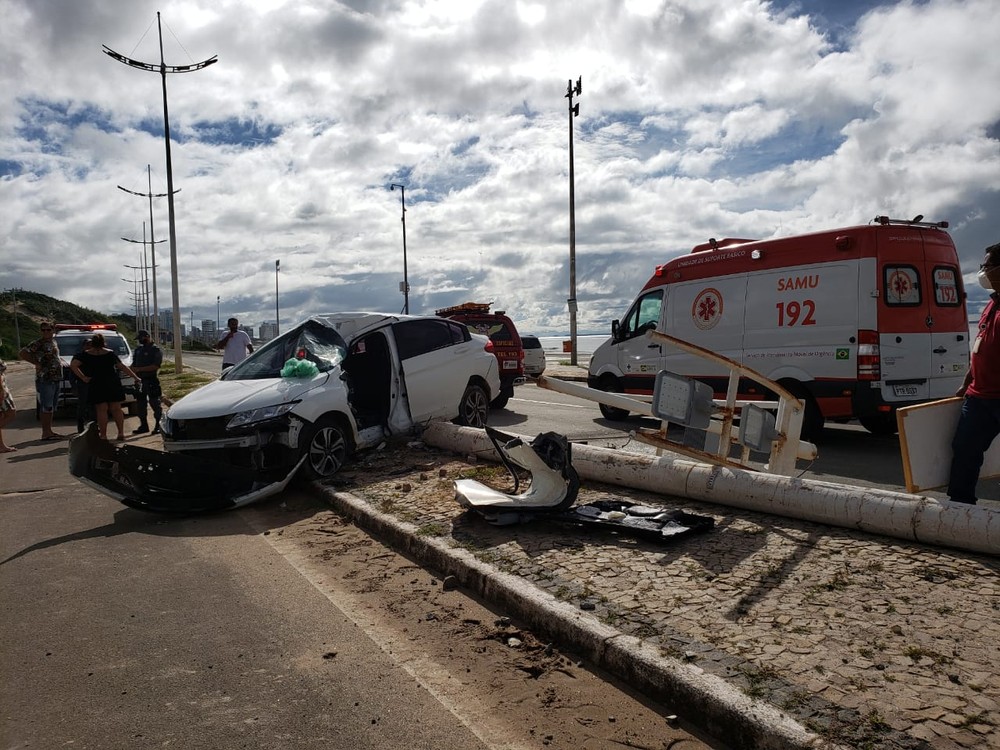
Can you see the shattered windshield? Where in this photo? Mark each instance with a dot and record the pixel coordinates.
(312, 341)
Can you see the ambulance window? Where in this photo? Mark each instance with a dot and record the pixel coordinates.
(646, 310)
(946, 287)
(902, 286)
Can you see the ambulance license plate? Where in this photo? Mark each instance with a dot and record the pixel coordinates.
(905, 390)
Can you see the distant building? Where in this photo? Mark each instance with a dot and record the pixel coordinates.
(268, 331)
(248, 330)
(209, 332)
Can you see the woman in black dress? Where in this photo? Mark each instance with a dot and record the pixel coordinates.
(98, 367)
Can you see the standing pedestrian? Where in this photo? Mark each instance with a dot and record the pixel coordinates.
(84, 411)
(980, 420)
(98, 367)
(146, 361)
(235, 344)
(43, 353)
(7, 410)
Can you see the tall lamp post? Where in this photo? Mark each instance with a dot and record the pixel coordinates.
(136, 295)
(404, 287)
(277, 314)
(163, 69)
(145, 274)
(152, 238)
(574, 111)
(218, 313)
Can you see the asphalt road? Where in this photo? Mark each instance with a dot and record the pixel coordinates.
(122, 630)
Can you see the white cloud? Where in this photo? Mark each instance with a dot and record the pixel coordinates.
(727, 120)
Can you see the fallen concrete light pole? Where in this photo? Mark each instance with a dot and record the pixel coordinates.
(895, 514)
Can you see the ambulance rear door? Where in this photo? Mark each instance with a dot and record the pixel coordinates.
(922, 323)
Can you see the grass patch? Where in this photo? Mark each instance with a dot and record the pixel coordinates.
(175, 386)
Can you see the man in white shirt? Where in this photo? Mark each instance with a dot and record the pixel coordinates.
(235, 344)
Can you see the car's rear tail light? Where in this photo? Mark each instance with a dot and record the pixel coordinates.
(869, 359)
(489, 346)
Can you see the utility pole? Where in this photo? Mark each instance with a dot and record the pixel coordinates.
(574, 111)
(404, 287)
(163, 69)
(277, 315)
(152, 238)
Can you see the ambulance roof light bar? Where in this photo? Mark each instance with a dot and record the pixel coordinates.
(480, 307)
(917, 221)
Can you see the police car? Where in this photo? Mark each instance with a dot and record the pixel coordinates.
(70, 337)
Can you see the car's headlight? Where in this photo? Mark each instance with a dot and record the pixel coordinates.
(243, 418)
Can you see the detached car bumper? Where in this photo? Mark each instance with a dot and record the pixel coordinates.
(159, 482)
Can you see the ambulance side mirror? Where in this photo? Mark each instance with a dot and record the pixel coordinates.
(616, 330)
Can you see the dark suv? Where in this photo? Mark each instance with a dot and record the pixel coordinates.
(506, 342)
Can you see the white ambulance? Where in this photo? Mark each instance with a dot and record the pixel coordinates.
(856, 322)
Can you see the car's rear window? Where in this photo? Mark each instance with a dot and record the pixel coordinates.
(531, 342)
(497, 329)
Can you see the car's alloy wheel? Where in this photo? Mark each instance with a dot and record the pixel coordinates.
(474, 408)
(326, 450)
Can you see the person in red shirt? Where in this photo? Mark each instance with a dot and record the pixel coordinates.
(980, 420)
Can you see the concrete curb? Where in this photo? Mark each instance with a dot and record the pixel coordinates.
(707, 701)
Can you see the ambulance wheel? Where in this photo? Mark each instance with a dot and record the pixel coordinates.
(610, 385)
(812, 421)
(880, 424)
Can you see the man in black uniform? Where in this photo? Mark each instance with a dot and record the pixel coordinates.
(146, 360)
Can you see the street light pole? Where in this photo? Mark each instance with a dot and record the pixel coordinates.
(277, 315)
(135, 294)
(152, 238)
(218, 312)
(163, 69)
(574, 111)
(145, 275)
(405, 286)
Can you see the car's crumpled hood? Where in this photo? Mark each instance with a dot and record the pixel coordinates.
(232, 396)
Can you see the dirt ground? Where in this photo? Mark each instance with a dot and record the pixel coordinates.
(513, 689)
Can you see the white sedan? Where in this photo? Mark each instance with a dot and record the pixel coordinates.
(334, 384)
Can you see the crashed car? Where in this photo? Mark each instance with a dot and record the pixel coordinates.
(331, 385)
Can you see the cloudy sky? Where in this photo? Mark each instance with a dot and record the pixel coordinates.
(697, 119)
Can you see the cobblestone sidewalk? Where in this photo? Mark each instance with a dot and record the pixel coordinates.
(870, 642)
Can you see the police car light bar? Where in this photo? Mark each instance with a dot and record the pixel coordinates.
(86, 326)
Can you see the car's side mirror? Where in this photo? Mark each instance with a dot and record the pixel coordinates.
(616, 330)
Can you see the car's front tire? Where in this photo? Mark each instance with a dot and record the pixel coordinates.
(326, 449)
(474, 408)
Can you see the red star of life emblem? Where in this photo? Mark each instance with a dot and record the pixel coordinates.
(707, 309)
